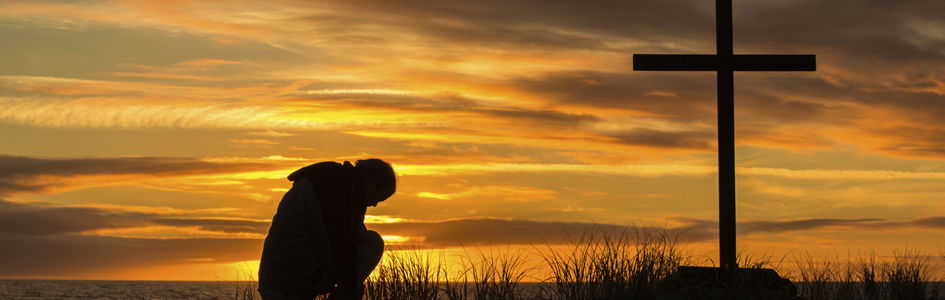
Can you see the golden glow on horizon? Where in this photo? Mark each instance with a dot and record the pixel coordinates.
(374, 219)
(434, 196)
(395, 239)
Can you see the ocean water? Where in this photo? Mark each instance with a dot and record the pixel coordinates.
(113, 289)
(109, 289)
(116, 289)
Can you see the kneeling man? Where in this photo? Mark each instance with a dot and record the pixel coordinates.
(317, 243)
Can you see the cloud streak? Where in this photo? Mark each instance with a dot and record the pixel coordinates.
(409, 101)
(29, 174)
(484, 232)
(113, 114)
(24, 219)
(30, 220)
(20, 219)
(753, 227)
(24, 256)
(33, 235)
(644, 170)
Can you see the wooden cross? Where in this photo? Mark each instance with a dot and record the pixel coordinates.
(724, 62)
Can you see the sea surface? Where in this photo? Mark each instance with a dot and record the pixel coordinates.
(113, 289)
(116, 289)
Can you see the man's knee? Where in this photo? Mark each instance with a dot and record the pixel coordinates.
(371, 245)
(370, 251)
(372, 240)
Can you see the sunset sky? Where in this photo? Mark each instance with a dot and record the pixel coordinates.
(151, 139)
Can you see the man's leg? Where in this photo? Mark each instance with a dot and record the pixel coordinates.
(369, 253)
(370, 248)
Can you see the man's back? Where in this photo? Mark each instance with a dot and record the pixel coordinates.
(317, 242)
(297, 253)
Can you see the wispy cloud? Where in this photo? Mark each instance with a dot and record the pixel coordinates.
(224, 225)
(208, 62)
(41, 219)
(842, 174)
(818, 224)
(31, 220)
(495, 193)
(28, 256)
(645, 170)
(29, 174)
(632, 170)
(117, 114)
(31, 231)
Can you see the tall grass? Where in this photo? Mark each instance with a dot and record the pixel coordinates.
(827, 279)
(407, 275)
(907, 275)
(613, 265)
(496, 276)
(245, 290)
(632, 264)
(413, 275)
(245, 287)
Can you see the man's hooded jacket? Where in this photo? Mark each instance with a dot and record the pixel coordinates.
(311, 242)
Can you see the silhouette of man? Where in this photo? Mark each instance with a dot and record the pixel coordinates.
(317, 243)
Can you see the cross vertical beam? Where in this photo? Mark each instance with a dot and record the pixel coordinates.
(725, 88)
(724, 62)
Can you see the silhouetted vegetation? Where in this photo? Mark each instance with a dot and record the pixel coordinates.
(408, 275)
(624, 265)
(906, 276)
(618, 265)
(633, 265)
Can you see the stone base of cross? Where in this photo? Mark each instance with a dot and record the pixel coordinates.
(710, 283)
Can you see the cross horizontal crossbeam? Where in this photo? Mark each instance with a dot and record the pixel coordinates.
(711, 62)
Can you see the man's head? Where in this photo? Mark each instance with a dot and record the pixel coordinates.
(376, 179)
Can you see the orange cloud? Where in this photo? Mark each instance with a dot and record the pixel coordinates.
(31, 175)
(496, 193)
(208, 62)
(163, 76)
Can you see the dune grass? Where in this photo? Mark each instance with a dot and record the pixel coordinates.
(627, 265)
(417, 275)
(614, 265)
(245, 286)
(906, 276)
(406, 275)
(632, 265)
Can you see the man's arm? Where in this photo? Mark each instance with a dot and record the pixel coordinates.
(351, 286)
(339, 220)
